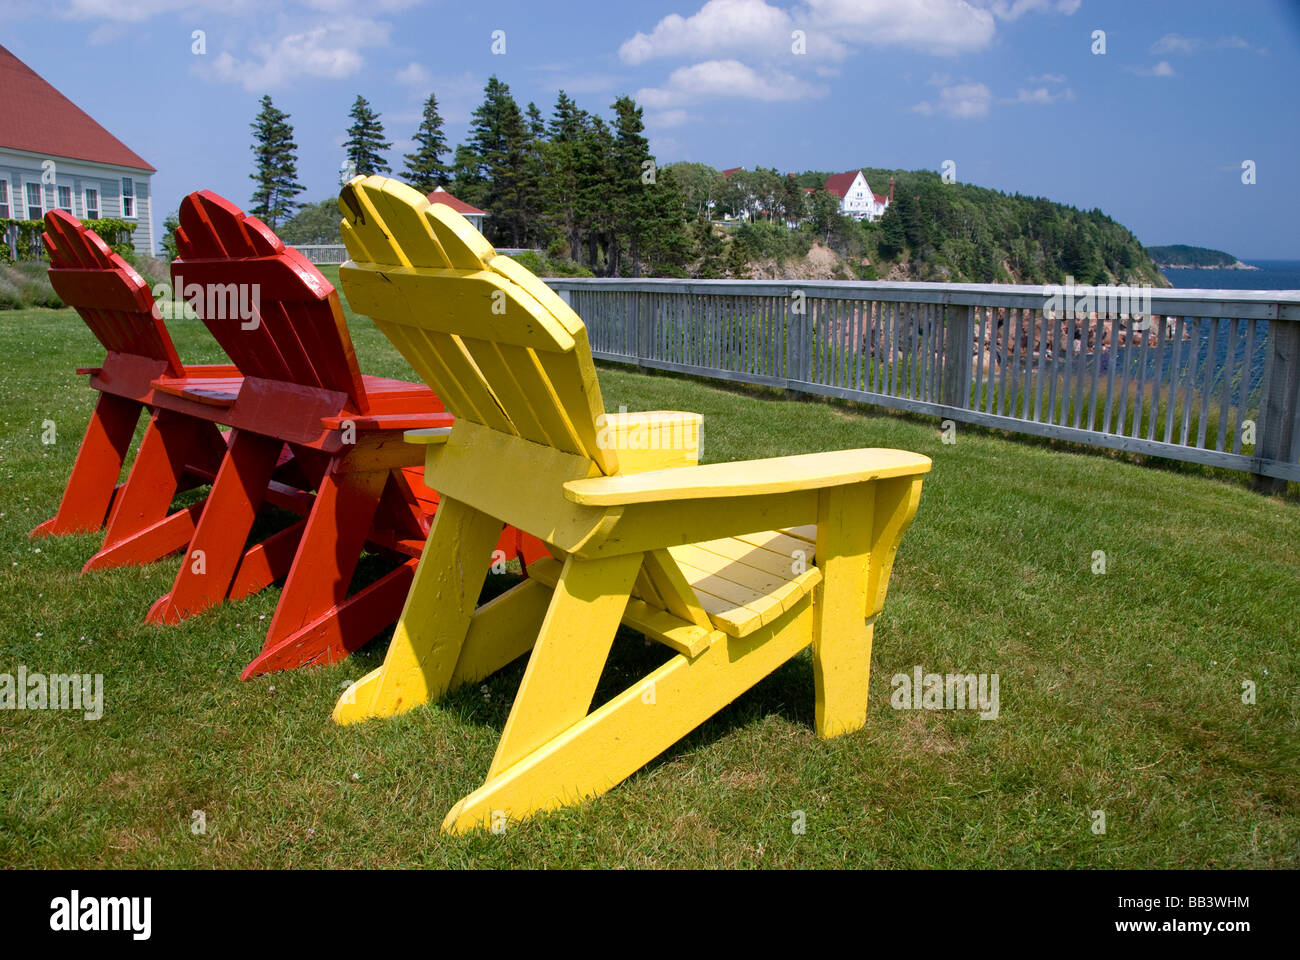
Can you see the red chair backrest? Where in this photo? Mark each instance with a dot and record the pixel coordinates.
(106, 291)
(299, 335)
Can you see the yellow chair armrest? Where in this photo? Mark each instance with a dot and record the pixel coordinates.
(747, 478)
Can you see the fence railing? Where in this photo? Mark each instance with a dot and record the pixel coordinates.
(1207, 376)
(322, 252)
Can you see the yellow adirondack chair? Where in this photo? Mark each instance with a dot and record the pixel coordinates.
(715, 561)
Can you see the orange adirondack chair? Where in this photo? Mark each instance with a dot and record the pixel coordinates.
(301, 387)
(178, 451)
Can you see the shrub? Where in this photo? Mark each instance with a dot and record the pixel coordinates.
(10, 296)
(26, 285)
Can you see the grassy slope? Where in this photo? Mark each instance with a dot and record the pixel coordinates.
(1119, 692)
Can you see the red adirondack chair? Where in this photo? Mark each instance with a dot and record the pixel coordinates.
(301, 386)
(178, 451)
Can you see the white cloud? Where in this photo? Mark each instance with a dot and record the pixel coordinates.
(1042, 95)
(1176, 43)
(720, 26)
(932, 26)
(714, 79)
(1161, 69)
(1044, 89)
(831, 28)
(1014, 9)
(107, 33)
(136, 11)
(413, 75)
(963, 101)
(329, 52)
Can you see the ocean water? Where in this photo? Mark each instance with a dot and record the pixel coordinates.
(1271, 275)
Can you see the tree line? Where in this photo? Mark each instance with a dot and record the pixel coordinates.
(584, 188)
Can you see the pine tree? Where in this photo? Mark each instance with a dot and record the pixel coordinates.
(424, 168)
(559, 186)
(500, 142)
(708, 249)
(366, 140)
(632, 195)
(738, 259)
(276, 175)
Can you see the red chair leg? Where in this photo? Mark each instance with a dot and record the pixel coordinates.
(218, 544)
(318, 582)
(170, 441)
(90, 489)
(342, 629)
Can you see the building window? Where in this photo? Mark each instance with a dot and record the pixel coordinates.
(35, 205)
(65, 199)
(128, 198)
(92, 204)
(4, 199)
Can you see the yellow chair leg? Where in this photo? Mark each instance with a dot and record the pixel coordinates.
(570, 653)
(431, 632)
(841, 634)
(503, 629)
(613, 742)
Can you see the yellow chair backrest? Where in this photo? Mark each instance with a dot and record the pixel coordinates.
(501, 348)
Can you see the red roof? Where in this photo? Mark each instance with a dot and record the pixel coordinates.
(440, 195)
(37, 118)
(839, 183)
(728, 172)
(879, 198)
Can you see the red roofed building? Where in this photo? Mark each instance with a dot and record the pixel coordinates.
(54, 155)
(471, 213)
(856, 197)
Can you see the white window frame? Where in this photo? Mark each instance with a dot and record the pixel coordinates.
(85, 201)
(124, 196)
(72, 199)
(27, 203)
(9, 196)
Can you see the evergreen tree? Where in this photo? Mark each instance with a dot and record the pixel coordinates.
(708, 249)
(467, 180)
(559, 184)
(276, 175)
(738, 259)
(424, 168)
(892, 238)
(793, 203)
(366, 140)
(170, 225)
(499, 143)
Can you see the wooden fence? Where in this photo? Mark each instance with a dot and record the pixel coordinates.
(1207, 376)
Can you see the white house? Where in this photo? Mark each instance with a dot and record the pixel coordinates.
(856, 198)
(470, 212)
(53, 155)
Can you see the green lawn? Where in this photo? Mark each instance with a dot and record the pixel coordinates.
(1120, 692)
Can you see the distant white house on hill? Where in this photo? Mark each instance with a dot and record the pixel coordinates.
(855, 195)
(471, 213)
(54, 155)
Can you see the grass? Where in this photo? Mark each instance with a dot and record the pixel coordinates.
(1120, 692)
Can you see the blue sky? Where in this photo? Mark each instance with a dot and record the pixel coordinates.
(1153, 131)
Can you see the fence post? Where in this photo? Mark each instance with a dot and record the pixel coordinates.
(1279, 408)
(960, 323)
